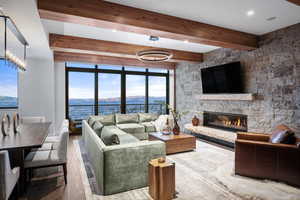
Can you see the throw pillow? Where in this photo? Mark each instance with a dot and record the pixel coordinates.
(161, 121)
(282, 134)
(147, 117)
(127, 118)
(109, 133)
(97, 127)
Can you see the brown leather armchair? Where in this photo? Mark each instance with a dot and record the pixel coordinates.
(256, 157)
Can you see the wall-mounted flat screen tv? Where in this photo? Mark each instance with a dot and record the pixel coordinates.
(222, 79)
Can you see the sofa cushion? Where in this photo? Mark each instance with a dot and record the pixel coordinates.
(147, 117)
(149, 127)
(97, 127)
(127, 118)
(108, 134)
(124, 139)
(282, 134)
(132, 128)
(106, 120)
(141, 136)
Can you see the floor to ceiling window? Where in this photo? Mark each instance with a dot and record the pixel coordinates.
(81, 95)
(107, 89)
(8, 86)
(109, 93)
(157, 94)
(135, 93)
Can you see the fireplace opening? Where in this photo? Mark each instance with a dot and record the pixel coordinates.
(225, 121)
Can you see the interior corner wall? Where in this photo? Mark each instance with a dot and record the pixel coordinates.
(60, 93)
(272, 72)
(36, 90)
(172, 88)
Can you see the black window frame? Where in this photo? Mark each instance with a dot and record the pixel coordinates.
(96, 70)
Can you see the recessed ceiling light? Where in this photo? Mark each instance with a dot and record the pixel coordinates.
(271, 18)
(186, 41)
(153, 38)
(250, 13)
(114, 30)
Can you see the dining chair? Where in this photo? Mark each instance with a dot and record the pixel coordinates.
(49, 158)
(52, 142)
(64, 127)
(8, 177)
(30, 119)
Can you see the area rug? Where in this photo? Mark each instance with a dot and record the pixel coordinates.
(206, 173)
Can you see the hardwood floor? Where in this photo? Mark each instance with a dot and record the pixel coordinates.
(48, 183)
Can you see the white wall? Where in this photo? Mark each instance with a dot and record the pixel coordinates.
(36, 90)
(60, 107)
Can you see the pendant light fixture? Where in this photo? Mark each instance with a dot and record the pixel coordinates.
(154, 55)
(13, 44)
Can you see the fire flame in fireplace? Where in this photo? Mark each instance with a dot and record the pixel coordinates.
(237, 122)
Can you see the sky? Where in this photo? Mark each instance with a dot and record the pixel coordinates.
(82, 85)
(8, 80)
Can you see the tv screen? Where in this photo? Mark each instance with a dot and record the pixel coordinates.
(222, 79)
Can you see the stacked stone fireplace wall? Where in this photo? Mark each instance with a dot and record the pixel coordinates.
(272, 72)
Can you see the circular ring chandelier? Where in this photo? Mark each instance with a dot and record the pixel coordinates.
(154, 55)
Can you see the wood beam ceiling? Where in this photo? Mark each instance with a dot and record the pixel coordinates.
(101, 47)
(115, 16)
(109, 60)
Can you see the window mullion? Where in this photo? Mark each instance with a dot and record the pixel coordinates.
(147, 92)
(96, 108)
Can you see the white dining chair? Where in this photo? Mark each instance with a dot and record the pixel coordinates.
(64, 127)
(49, 158)
(8, 177)
(52, 142)
(30, 119)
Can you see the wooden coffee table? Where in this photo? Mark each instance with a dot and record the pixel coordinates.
(175, 143)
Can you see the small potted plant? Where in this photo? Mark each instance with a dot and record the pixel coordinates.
(177, 117)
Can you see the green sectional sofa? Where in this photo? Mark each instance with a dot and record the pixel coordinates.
(119, 151)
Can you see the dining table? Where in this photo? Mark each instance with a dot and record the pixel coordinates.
(19, 144)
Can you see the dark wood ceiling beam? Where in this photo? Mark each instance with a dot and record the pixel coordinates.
(101, 47)
(109, 60)
(297, 2)
(110, 15)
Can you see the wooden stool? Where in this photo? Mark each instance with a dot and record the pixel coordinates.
(161, 180)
